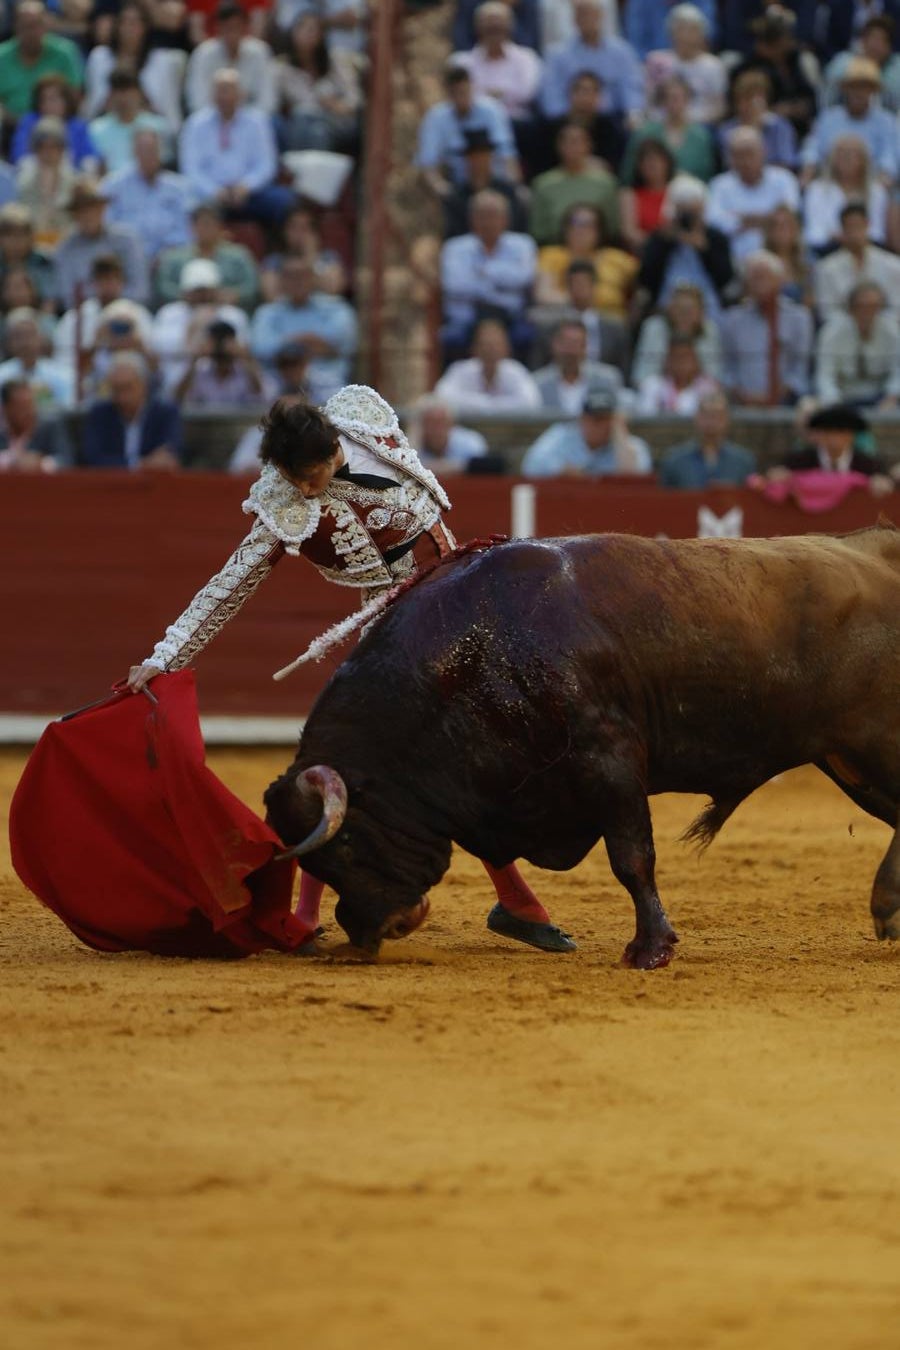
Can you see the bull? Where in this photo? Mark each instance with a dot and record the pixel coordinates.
(525, 701)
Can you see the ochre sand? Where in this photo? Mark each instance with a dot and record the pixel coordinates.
(472, 1144)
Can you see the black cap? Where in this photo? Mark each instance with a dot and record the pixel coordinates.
(599, 400)
(837, 417)
(478, 139)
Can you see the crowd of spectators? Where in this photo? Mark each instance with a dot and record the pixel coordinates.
(687, 207)
(649, 209)
(155, 254)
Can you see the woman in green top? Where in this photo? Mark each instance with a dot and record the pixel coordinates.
(691, 144)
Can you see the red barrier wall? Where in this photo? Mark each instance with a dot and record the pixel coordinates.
(96, 565)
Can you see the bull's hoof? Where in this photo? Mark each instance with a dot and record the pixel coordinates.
(643, 955)
(545, 936)
(887, 927)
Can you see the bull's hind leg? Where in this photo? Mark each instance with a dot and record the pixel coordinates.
(886, 891)
(628, 832)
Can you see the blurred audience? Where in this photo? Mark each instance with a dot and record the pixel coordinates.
(598, 444)
(489, 380)
(232, 48)
(32, 52)
(683, 317)
(227, 153)
(131, 429)
(563, 383)
(324, 325)
(181, 328)
(679, 388)
(442, 134)
(847, 178)
(691, 145)
(856, 260)
(441, 443)
(687, 55)
(742, 200)
(766, 339)
(319, 91)
(237, 268)
(858, 352)
(479, 175)
(90, 236)
(612, 59)
(709, 457)
(583, 241)
(488, 272)
(53, 96)
(150, 200)
(578, 181)
(29, 443)
(113, 132)
(52, 384)
(44, 182)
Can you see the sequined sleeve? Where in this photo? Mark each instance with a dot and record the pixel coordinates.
(219, 600)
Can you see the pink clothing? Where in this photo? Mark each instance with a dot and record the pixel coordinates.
(511, 79)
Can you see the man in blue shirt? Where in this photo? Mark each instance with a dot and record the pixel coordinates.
(324, 325)
(153, 201)
(597, 445)
(442, 134)
(228, 155)
(611, 59)
(709, 458)
(490, 270)
(858, 114)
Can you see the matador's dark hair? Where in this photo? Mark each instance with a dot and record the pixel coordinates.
(297, 436)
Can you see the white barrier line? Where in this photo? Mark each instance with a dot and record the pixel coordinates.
(523, 503)
(18, 729)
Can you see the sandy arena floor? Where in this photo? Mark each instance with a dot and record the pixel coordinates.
(472, 1145)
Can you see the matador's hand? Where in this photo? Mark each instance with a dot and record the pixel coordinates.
(139, 676)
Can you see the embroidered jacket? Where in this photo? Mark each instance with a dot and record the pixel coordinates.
(359, 532)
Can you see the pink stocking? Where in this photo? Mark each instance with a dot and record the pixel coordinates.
(515, 894)
(310, 898)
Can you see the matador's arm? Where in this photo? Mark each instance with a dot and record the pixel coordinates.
(219, 600)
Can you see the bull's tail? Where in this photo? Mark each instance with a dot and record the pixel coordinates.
(707, 825)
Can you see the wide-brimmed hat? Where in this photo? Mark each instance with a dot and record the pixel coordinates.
(860, 70)
(837, 417)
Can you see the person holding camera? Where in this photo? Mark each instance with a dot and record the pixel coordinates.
(685, 249)
(223, 372)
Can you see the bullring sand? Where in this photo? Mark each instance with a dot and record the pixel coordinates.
(472, 1145)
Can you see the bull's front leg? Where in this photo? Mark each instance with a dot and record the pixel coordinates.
(886, 892)
(628, 833)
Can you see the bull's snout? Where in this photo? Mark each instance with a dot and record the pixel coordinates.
(406, 921)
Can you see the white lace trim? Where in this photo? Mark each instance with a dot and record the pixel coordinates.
(289, 515)
(362, 414)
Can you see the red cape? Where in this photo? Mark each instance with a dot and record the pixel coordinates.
(120, 828)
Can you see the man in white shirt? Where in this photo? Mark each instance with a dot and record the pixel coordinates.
(180, 328)
(53, 384)
(489, 381)
(232, 49)
(228, 154)
(741, 200)
(855, 261)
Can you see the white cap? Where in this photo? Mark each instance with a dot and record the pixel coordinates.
(199, 274)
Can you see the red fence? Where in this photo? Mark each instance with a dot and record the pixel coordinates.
(95, 565)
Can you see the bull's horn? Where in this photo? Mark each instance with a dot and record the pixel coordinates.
(328, 785)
